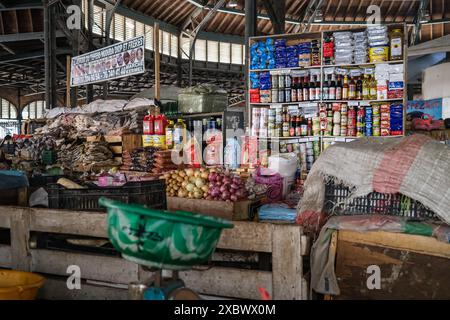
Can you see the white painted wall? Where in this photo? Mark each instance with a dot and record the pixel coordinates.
(436, 82)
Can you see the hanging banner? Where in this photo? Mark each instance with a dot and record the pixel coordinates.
(116, 61)
(416, 108)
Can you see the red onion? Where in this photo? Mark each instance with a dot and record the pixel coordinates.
(233, 197)
(223, 188)
(240, 193)
(209, 198)
(215, 192)
(218, 184)
(212, 176)
(211, 185)
(216, 198)
(234, 186)
(225, 195)
(236, 180)
(226, 180)
(218, 178)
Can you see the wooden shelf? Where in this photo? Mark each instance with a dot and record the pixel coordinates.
(352, 65)
(325, 101)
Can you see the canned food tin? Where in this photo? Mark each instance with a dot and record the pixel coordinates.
(287, 81)
(274, 80)
(281, 81)
(274, 95)
(281, 96)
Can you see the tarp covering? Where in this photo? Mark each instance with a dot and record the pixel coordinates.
(415, 166)
(323, 277)
(11, 179)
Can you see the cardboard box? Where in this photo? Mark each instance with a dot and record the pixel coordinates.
(221, 209)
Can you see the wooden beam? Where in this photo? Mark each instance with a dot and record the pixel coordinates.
(250, 236)
(20, 235)
(228, 282)
(5, 256)
(400, 241)
(93, 267)
(56, 289)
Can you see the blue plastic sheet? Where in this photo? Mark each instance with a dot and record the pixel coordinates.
(277, 211)
(11, 179)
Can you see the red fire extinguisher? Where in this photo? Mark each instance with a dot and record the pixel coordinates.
(149, 125)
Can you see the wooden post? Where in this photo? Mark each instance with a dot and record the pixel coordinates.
(68, 71)
(157, 62)
(20, 235)
(287, 263)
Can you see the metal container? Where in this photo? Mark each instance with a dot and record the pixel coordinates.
(202, 103)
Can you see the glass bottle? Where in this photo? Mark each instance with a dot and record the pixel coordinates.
(352, 89)
(339, 89)
(326, 90)
(306, 89)
(359, 88)
(345, 89)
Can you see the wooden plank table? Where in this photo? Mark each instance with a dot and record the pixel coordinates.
(286, 245)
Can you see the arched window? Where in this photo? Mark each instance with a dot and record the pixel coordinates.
(8, 110)
(34, 110)
(8, 118)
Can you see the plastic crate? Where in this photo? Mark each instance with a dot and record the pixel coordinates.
(336, 202)
(149, 193)
(48, 157)
(44, 180)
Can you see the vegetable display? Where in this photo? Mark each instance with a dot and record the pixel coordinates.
(203, 183)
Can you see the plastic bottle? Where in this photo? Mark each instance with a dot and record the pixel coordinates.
(179, 134)
(170, 135)
(396, 41)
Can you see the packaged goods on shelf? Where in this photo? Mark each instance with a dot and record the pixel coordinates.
(343, 47)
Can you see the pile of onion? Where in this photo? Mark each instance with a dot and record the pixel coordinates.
(224, 187)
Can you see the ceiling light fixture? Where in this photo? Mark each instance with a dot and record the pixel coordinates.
(232, 4)
(318, 16)
(425, 16)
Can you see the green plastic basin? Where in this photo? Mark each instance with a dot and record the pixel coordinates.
(162, 239)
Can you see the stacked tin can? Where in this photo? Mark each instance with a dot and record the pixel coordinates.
(309, 155)
(360, 124)
(303, 161)
(369, 121)
(278, 122)
(376, 120)
(256, 115)
(330, 116)
(263, 124)
(323, 121)
(316, 148)
(336, 120)
(344, 119)
(385, 123)
(351, 122)
(274, 91)
(271, 123)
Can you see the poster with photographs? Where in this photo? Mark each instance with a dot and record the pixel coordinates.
(119, 60)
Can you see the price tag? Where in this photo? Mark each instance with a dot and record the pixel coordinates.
(312, 139)
(276, 106)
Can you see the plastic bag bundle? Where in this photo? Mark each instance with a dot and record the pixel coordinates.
(292, 56)
(262, 55)
(304, 54)
(280, 54)
(344, 46)
(360, 47)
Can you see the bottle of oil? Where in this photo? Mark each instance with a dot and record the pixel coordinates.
(169, 135)
(373, 88)
(366, 88)
(179, 134)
